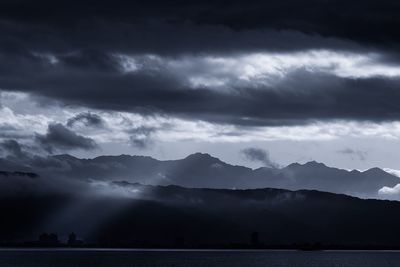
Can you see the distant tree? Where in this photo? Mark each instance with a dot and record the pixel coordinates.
(72, 239)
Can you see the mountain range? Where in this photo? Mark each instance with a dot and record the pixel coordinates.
(198, 201)
(204, 171)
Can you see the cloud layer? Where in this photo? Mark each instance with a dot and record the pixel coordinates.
(242, 64)
(58, 137)
(134, 77)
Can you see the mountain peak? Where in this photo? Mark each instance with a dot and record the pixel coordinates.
(311, 164)
(294, 165)
(376, 171)
(202, 157)
(199, 155)
(314, 163)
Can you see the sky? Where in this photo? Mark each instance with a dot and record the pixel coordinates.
(253, 83)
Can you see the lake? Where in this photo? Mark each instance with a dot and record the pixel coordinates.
(194, 258)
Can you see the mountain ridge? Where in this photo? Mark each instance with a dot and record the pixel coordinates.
(200, 216)
(203, 170)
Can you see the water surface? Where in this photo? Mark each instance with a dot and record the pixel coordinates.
(194, 258)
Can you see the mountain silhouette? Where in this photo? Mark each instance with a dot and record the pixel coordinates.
(198, 217)
(201, 170)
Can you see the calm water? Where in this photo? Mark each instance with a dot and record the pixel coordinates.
(138, 258)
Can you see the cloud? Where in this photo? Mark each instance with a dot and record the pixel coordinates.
(201, 22)
(106, 31)
(189, 88)
(361, 155)
(258, 64)
(141, 136)
(392, 171)
(119, 127)
(58, 137)
(260, 155)
(301, 96)
(12, 148)
(390, 192)
(87, 118)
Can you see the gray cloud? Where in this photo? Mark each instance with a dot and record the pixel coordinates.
(58, 137)
(141, 136)
(358, 154)
(302, 97)
(45, 54)
(260, 155)
(11, 148)
(87, 118)
(8, 131)
(140, 143)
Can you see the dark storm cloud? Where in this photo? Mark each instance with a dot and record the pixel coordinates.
(372, 22)
(193, 27)
(302, 97)
(58, 137)
(65, 50)
(260, 155)
(87, 118)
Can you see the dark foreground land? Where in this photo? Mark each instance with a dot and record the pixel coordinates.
(177, 217)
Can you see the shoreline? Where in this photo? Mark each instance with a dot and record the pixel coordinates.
(188, 249)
